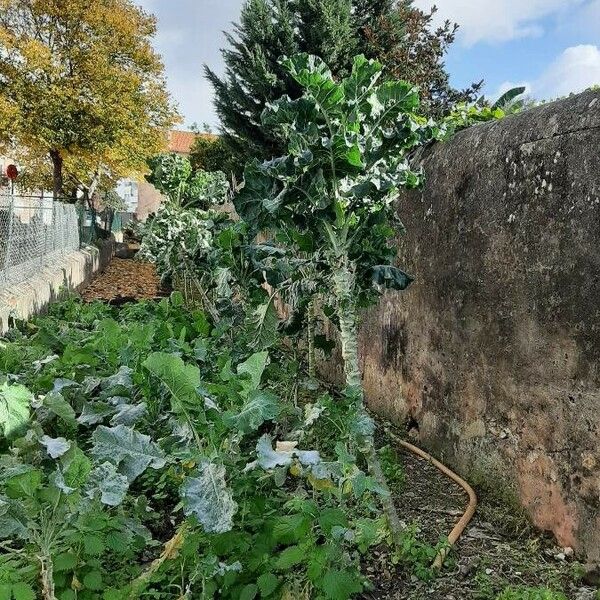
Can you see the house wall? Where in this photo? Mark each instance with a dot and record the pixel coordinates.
(494, 351)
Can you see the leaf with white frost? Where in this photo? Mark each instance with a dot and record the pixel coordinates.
(55, 447)
(60, 384)
(261, 406)
(109, 483)
(122, 378)
(269, 458)
(94, 412)
(129, 414)
(132, 451)
(207, 497)
(58, 480)
(282, 456)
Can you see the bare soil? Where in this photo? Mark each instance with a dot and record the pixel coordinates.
(497, 550)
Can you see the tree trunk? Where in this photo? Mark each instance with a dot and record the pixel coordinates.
(344, 289)
(57, 173)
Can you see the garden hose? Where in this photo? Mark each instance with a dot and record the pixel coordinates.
(469, 512)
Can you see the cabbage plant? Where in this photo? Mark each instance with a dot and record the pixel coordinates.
(349, 149)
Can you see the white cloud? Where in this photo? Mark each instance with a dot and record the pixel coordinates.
(498, 20)
(190, 33)
(574, 70)
(577, 68)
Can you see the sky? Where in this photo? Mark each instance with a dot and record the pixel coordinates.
(550, 46)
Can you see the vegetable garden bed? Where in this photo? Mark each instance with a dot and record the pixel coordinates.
(147, 453)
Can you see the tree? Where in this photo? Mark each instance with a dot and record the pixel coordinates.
(335, 30)
(211, 153)
(403, 38)
(84, 87)
(348, 151)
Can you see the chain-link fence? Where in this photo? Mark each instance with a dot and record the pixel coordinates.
(34, 231)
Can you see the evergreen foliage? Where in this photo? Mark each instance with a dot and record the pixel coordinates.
(397, 34)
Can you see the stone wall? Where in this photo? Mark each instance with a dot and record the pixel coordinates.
(494, 351)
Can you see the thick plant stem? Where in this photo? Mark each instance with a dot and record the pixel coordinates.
(344, 291)
(47, 577)
(310, 332)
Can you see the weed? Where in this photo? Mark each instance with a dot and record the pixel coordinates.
(529, 593)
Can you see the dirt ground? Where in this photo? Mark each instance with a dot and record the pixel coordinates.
(124, 280)
(498, 549)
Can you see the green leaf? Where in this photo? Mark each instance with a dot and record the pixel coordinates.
(182, 380)
(264, 323)
(332, 517)
(261, 406)
(391, 277)
(24, 484)
(131, 451)
(314, 75)
(341, 585)
(65, 561)
(290, 529)
(14, 409)
(93, 580)
(507, 98)
(267, 584)
(22, 591)
(13, 519)
(292, 555)
(207, 497)
(55, 403)
(76, 467)
(253, 367)
(93, 545)
(249, 592)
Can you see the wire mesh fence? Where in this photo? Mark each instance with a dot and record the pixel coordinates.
(34, 231)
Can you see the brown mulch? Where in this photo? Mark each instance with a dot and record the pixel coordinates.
(124, 280)
(497, 550)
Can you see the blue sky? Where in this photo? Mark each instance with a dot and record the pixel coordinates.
(552, 46)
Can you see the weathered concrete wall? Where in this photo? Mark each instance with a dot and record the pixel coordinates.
(70, 272)
(495, 349)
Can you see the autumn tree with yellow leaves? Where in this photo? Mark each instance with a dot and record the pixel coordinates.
(82, 91)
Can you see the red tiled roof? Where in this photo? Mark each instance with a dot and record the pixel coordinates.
(182, 141)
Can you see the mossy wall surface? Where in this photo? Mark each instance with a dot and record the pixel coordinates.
(494, 351)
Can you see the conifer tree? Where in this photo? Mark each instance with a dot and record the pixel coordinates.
(393, 31)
